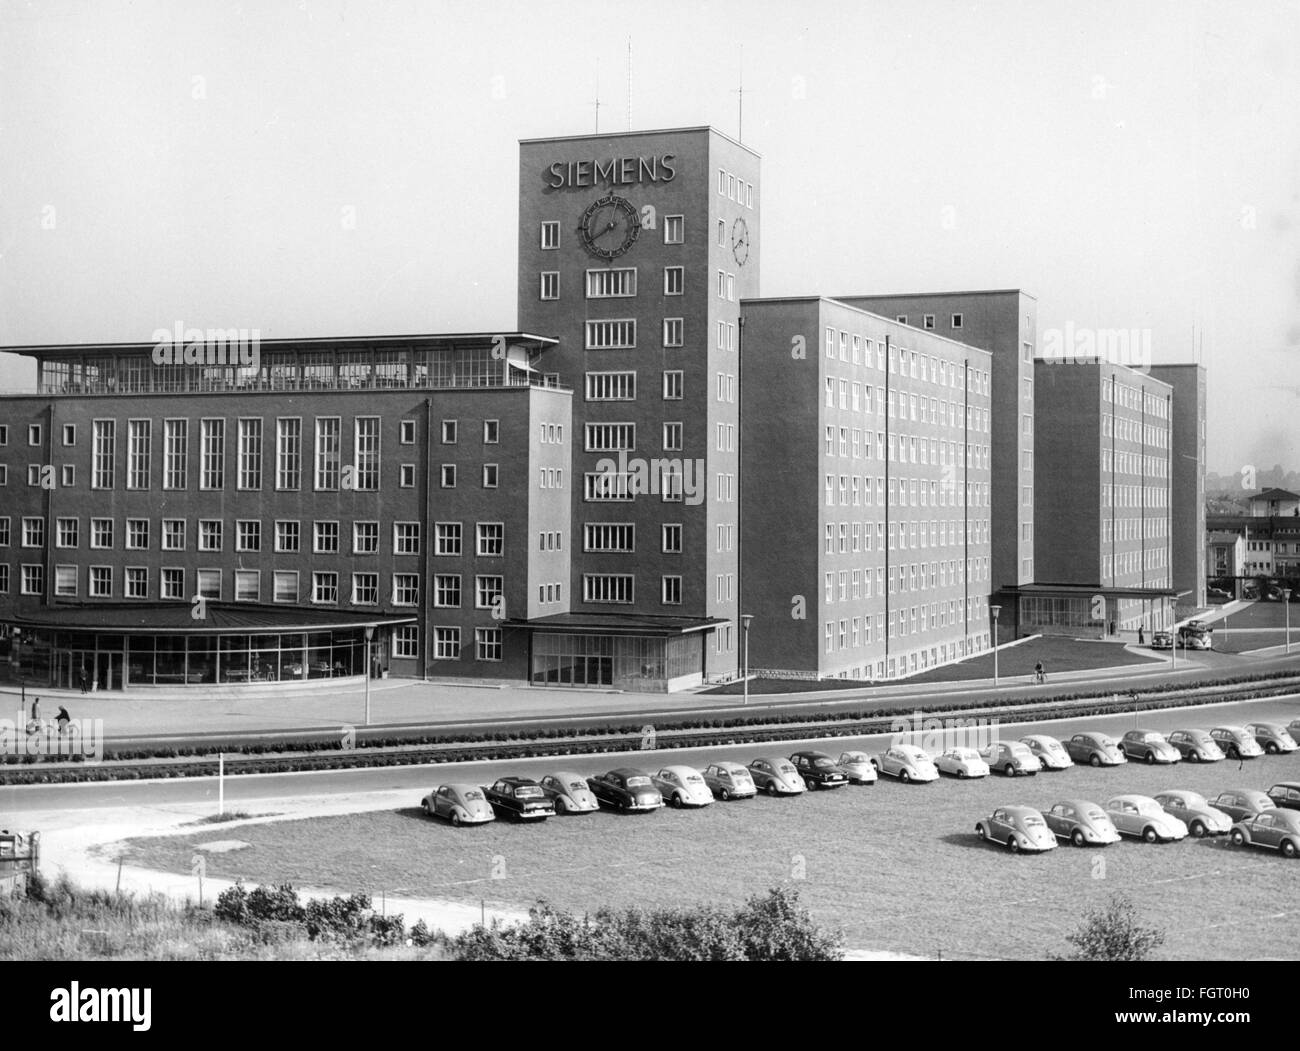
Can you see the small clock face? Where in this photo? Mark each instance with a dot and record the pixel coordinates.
(740, 241)
(610, 226)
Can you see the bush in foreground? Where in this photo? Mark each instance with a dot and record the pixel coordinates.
(1112, 932)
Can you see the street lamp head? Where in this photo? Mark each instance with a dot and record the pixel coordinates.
(746, 618)
(370, 632)
(995, 610)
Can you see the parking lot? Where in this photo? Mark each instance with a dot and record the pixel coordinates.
(898, 867)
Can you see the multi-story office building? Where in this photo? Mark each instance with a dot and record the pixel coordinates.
(635, 251)
(866, 534)
(183, 523)
(1103, 546)
(1003, 322)
(1187, 483)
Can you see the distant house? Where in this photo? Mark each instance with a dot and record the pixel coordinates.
(1272, 503)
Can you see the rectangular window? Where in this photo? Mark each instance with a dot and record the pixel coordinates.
(176, 449)
(325, 538)
(210, 534)
(611, 386)
(325, 588)
(103, 454)
(671, 537)
(101, 582)
(671, 591)
(448, 538)
(550, 236)
(446, 590)
(365, 589)
(607, 588)
(406, 538)
(673, 332)
(248, 534)
(171, 584)
(549, 285)
(33, 532)
(139, 435)
(406, 589)
(674, 280)
(213, 456)
(101, 533)
(284, 586)
(448, 432)
(611, 284)
(673, 380)
(288, 453)
(491, 432)
(287, 536)
(173, 534)
(491, 538)
(447, 476)
(67, 535)
(137, 534)
(328, 451)
(674, 229)
(406, 641)
(610, 437)
(487, 644)
(488, 591)
(611, 335)
(446, 644)
(248, 586)
(957, 320)
(367, 454)
(68, 476)
(250, 454)
(33, 581)
(672, 437)
(209, 583)
(608, 536)
(406, 432)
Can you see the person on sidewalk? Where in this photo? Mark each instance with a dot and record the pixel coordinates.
(1142, 638)
(36, 709)
(82, 680)
(63, 718)
(1039, 676)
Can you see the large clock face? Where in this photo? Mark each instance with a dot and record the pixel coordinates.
(610, 226)
(740, 241)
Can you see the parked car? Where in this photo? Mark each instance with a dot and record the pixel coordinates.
(1082, 822)
(1021, 828)
(776, 776)
(1196, 746)
(907, 763)
(818, 770)
(1149, 746)
(1217, 593)
(1275, 829)
(1249, 591)
(728, 780)
(569, 793)
(1142, 816)
(1193, 810)
(1272, 737)
(1011, 758)
(1096, 748)
(1195, 638)
(857, 766)
(521, 798)
(682, 786)
(1236, 742)
(460, 804)
(1285, 795)
(1293, 728)
(1241, 803)
(626, 789)
(1049, 752)
(1162, 640)
(962, 762)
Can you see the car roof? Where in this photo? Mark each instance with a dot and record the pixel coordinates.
(1131, 797)
(1288, 784)
(680, 769)
(628, 771)
(810, 753)
(564, 775)
(1078, 804)
(460, 786)
(1020, 811)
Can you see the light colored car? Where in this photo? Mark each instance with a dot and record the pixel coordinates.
(1149, 746)
(728, 780)
(1096, 748)
(1196, 746)
(1194, 811)
(1242, 803)
(1082, 822)
(776, 775)
(961, 762)
(1048, 751)
(1273, 829)
(1142, 816)
(1293, 728)
(1021, 828)
(682, 786)
(569, 792)
(1236, 742)
(1012, 758)
(858, 767)
(906, 762)
(1195, 638)
(1274, 738)
(460, 804)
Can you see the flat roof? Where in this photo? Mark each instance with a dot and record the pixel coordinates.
(1090, 589)
(634, 134)
(934, 295)
(316, 341)
(618, 624)
(174, 618)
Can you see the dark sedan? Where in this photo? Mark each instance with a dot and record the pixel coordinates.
(626, 789)
(819, 770)
(520, 798)
(1241, 803)
(1286, 795)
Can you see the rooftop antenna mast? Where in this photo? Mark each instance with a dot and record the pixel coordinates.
(597, 96)
(740, 99)
(629, 83)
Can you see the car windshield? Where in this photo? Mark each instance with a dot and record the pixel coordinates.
(638, 781)
(1191, 799)
(1096, 814)
(1032, 820)
(528, 792)
(577, 786)
(1152, 738)
(473, 793)
(855, 757)
(695, 779)
(823, 764)
(1147, 806)
(785, 768)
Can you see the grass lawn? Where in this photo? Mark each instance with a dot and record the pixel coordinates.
(896, 867)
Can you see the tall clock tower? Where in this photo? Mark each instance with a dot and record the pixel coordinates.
(635, 250)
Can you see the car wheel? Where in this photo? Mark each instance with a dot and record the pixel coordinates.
(1198, 829)
(725, 795)
(1149, 834)
(1271, 748)
(1009, 770)
(1238, 837)
(1151, 757)
(961, 774)
(424, 805)
(1076, 837)
(1013, 845)
(1234, 752)
(904, 776)
(771, 788)
(677, 800)
(455, 818)
(979, 831)
(1289, 848)
(812, 785)
(1095, 760)
(1192, 757)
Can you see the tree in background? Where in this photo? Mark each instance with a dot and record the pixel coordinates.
(1112, 932)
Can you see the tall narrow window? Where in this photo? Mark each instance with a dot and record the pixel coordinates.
(288, 453)
(367, 454)
(176, 447)
(327, 452)
(138, 444)
(103, 454)
(250, 454)
(213, 457)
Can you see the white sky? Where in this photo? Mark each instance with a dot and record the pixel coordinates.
(1133, 165)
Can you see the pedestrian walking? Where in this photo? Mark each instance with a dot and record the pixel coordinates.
(1142, 638)
(63, 718)
(1040, 676)
(36, 709)
(82, 680)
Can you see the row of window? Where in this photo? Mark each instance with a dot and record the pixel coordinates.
(549, 232)
(852, 348)
(857, 631)
(855, 585)
(843, 537)
(619, 283)
(853, 443)
(927, 320)
(734, 188)
(903, 492)
(1134, 528)
(621, 386)
(857, 397)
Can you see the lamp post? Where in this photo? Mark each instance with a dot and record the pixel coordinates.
(995, 610)
(1286, 598)
(370, 634)
(745, 619)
